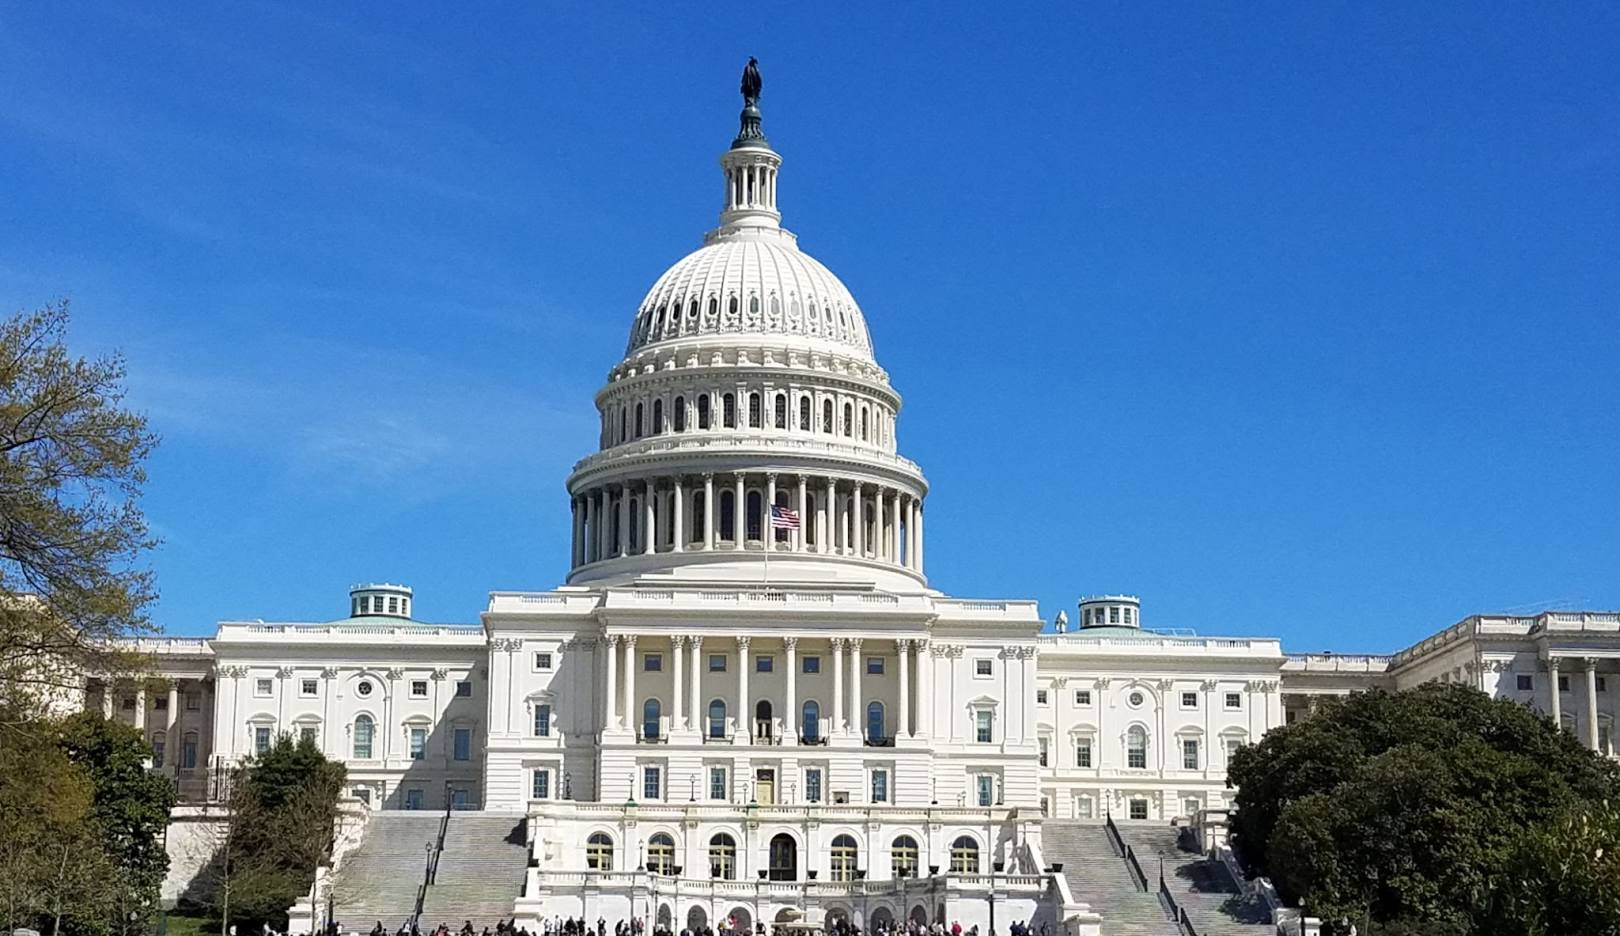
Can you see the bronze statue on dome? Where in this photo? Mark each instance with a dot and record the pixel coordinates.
(750, 81)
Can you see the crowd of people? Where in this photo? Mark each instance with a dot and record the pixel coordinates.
(563, 926)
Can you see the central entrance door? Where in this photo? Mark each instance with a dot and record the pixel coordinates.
(765, 786)
(784, 858)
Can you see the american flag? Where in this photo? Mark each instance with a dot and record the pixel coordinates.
(784, 518)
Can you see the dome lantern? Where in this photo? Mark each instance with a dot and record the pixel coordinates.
(750, 167)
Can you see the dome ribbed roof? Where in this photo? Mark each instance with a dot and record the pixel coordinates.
(747, 285)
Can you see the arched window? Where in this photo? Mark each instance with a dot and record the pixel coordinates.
(874, 722)
(784, 858)
(845, 854)
(542, 720)
(599, 852)
(188, 750)
(624, 412)
(678, 418)
(826, 416)
(362, 737)
(753, 411)
(723, 857)
(650, 712)
(762, 720)
(754, 500)
(661, 854)
(714, 307)
(658, 417)
(815, 321)
(730, 405)
(660, 326)
(781, 411)
(904, 857)
(804, 412)
(694, 530)
(635, 524)
(1136, 747)
(703, 411)
(810, 724)
(865, 431)
(965, 855)
(691, 311)
(849, 421)
(717, 718)
(728, 515)
(808, 519)
(731, 308)
(753, 301)
(776, 307)
(638, 420)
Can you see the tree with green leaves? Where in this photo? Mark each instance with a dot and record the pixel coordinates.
(1400, 810)
(72, 536)
(281, 806)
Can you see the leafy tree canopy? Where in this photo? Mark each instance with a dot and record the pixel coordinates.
(1403, 809)
(71, 531)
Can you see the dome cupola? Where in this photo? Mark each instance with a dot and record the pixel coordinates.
(749, 417)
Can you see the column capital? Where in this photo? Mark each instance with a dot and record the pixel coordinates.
(330, 672)
(1209, 685)
(707, 476)
(903, 644)
(629, 640)
(838, 642)
(770, 476)
(742, 642)
(791, 643)
(285, 672)
(1589, 663)
(855, 644)
(1553, 664)
(696, 641)
(396, 673)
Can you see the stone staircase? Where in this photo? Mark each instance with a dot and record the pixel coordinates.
(1097, 875)
(481, 871)
(378, 880)
(1201, 886)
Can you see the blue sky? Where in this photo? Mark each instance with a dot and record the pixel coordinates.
(1295, 319)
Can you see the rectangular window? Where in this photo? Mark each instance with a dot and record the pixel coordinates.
(985, 786)
(162, 702)
(1082, 697)
(193, 701)
(1043, 751)
(717, 662)
(1082, 808)
(652, 662)
(188, 752)
(1232, 745)
(1526, 682)
(306, 688)
(542, 784)
(651, 786)
(1040, 696)
(1563, 684)
(263, 687)
(306, 733)
(542, 721)
(874, 666)
(157, 752)
(1190, 806)
(413, 799)
(418, 743)
(1234, 701)
(463, 744)
(1139, 809)
(984, 722)
(418, 688)
(464, 689)
(982, 668)
(880, 785)
(1189, 753)
(542, 661)
(717, 783)
(261, 739)
(812, 785)
(764, 664)
(810, 665)
(1082, 752)
(1136, 757)
(1113, 615)
(1189, 700)
(1602, 685)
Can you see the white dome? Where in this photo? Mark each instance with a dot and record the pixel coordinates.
(751, 283)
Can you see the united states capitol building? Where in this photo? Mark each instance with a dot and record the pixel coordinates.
(746, 702)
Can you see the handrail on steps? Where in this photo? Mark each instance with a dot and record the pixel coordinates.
(1169, 901)
(1138, 876)
(431, 875)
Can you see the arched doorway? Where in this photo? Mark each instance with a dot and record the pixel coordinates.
(919, 915)
(666, 916)
(882, 917)
(837, 914)
(784, 860)
(696, 919)
(739, 920)
(762, 720)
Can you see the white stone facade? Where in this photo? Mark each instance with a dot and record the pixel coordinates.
(774, 701)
